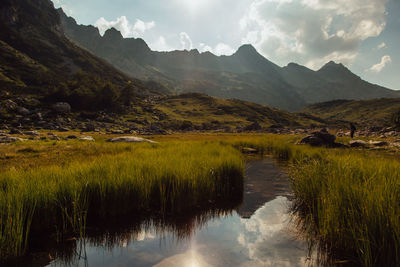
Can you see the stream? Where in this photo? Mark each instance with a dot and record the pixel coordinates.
(257, 233)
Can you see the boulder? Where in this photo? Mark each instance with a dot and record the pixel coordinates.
(378, 143)
(32, 133)
(72, 137)
(10, 105)
(15, 131)
(255, 126)
(23, 111)
(130, 139)
(358, 143)
(55, 138)
(320, 138)
(62, 107)
(312, 140)
(117, 132)
(10, 139)
(63, 129)
(249, 150)
(86, 138)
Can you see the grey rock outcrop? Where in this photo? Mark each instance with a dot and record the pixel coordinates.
(130, 139)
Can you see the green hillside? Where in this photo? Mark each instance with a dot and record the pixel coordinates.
(375, 112)
(210, 112)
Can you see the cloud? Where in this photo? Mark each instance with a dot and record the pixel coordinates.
(223, 49)
(161, 45)
(381, 46)
(310, 30)
(124, 26)
(186, 42)
(266, 237)
(379, 66)
(219, 49)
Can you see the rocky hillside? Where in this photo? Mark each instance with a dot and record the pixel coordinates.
(245, 75)
(375, 112)
(37, 59)
(209, 113)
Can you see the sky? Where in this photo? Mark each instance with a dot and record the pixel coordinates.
(364, 35)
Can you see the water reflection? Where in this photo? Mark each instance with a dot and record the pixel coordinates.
(256, 235)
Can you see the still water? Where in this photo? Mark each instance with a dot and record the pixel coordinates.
(256, 233)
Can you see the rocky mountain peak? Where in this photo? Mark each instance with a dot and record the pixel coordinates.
(247, 50)
(113, 35)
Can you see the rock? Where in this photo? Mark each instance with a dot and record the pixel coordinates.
(255, 126)
(39, 116)
(325, 136)
(10, 105)
(320, 138)
(391, 133)
(312, 140)
(358, 143)
(63, 129)
(32, 133)
(86, 138)
(23, 111)
(130, 139)
(55, 138)
(15, 131)
(117, 132)
(62, 107)
(72, 137)
(249, 150)
(89, 127)
(378, 143)
(10, 139)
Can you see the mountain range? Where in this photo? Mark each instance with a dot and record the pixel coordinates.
(245, 75)
(40, 66)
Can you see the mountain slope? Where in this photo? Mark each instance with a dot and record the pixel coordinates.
(206, 112)
(245, 75)
(242, 75)
(375, 112)
(36, 58)
(332, 81)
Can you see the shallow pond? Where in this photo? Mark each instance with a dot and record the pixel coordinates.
(256, 233)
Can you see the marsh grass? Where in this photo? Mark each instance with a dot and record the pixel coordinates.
(154, 178)
(350, 207)
(347, 201)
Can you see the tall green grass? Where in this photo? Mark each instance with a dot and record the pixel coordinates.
(350, 205)
(149, 178)
(347, 201)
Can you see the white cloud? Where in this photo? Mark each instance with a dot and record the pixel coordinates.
(161, 45)
(203, 48)
(308, 31)
(219, 49)
(381, 46)
(186, 42)
(265, 237)
(379, 66)
(223, 49)
(124, 26)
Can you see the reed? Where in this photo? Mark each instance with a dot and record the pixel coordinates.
(156, 178)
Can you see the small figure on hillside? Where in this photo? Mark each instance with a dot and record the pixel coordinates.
(352, 130)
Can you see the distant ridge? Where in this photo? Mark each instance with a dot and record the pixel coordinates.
(375, 112)
(245, 75)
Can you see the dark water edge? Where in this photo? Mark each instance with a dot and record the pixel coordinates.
(252, 229)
